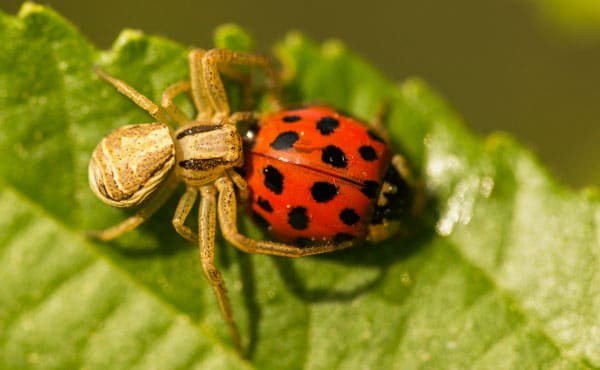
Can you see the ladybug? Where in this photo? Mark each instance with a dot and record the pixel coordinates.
(319, 177)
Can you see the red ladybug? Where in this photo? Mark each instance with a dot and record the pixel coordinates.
(319, 177)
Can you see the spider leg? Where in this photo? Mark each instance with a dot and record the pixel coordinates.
(139, 99)
(147, 210)
(206, 232)
(213, 61)
(241, 184)
(167, 101)
(227, 211)
(199, 95)
(181, 213)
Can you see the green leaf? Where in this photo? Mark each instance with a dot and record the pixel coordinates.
(500, 273)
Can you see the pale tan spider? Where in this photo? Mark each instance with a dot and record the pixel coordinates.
(140, 165)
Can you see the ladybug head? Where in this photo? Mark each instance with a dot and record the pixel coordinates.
(393, 207)
(249, 130)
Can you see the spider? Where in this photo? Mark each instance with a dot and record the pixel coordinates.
(141, 165)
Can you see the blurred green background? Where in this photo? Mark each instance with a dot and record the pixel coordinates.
(529, 67)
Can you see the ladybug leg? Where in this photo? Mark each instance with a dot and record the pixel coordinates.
(377, 122)
(181, 213)
(206, 243)
(167, 101)
(399, 162)
(134, 95)
(380, 232)
(227, 212)
(147, 210)
(214, 59)
(401, 165)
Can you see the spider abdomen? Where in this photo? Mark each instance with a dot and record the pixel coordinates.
(130, 163)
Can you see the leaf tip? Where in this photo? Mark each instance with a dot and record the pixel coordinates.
(29, 8)
(293, 39)
(233, 36)
(333, 48)
(129, 41)
(282, 50)
(126, 36)
(498, 140)
(413, 87)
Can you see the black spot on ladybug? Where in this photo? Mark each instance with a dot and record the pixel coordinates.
(297, 218)
(349, 216)
(370, 188)
(264, 204)
(367, 153)
(342, 237)
(273, 179)
(323, 191)
(327, 125)
(334, 156)
(291, 118)
(375, 136)
(285, 140)
(260, 221)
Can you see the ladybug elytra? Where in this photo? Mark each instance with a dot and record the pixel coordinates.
(320, 177)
